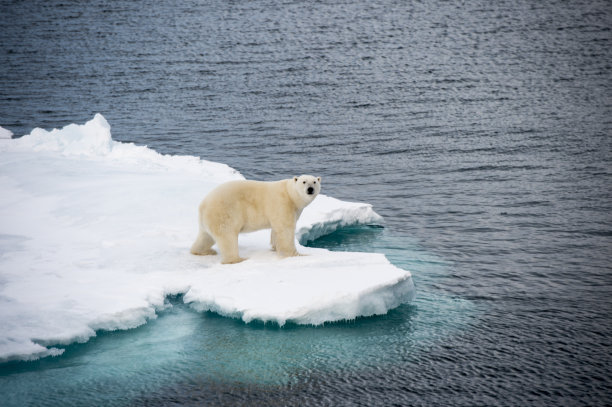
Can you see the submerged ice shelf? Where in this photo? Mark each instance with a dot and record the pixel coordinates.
(95, 234)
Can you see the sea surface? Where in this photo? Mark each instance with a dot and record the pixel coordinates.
(481, 131)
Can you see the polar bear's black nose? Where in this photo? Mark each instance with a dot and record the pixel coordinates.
(310, 190)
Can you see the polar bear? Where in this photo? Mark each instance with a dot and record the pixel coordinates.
(247, 206)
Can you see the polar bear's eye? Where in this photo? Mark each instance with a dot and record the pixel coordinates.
(304, 182)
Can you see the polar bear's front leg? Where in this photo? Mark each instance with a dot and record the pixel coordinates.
(285, 241)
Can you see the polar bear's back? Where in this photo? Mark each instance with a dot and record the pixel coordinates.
(244, 204)
(248, 190)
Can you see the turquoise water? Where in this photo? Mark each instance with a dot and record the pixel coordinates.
(183, 349)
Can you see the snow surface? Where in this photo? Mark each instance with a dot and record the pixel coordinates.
(95, 234)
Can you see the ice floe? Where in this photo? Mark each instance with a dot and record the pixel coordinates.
(95, 234)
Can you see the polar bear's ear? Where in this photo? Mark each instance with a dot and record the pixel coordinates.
(319, 179)
(295, 179)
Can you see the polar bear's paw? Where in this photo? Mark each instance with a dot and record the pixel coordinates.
(233, 260)
(209, 252)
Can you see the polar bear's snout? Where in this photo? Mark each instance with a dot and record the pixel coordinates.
(311, 186)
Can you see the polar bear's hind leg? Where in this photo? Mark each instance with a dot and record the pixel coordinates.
(202, 245)
(228, 246)
(273, 240)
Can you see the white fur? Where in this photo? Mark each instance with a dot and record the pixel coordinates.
(247, 206)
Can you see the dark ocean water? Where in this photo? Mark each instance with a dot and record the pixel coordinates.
(481, 131)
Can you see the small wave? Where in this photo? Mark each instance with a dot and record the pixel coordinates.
(489, 168)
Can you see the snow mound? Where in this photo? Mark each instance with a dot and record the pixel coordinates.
(328, 214)
(5, 133)
(95, 234)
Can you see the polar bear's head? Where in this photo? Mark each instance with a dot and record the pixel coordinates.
(307, 187)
